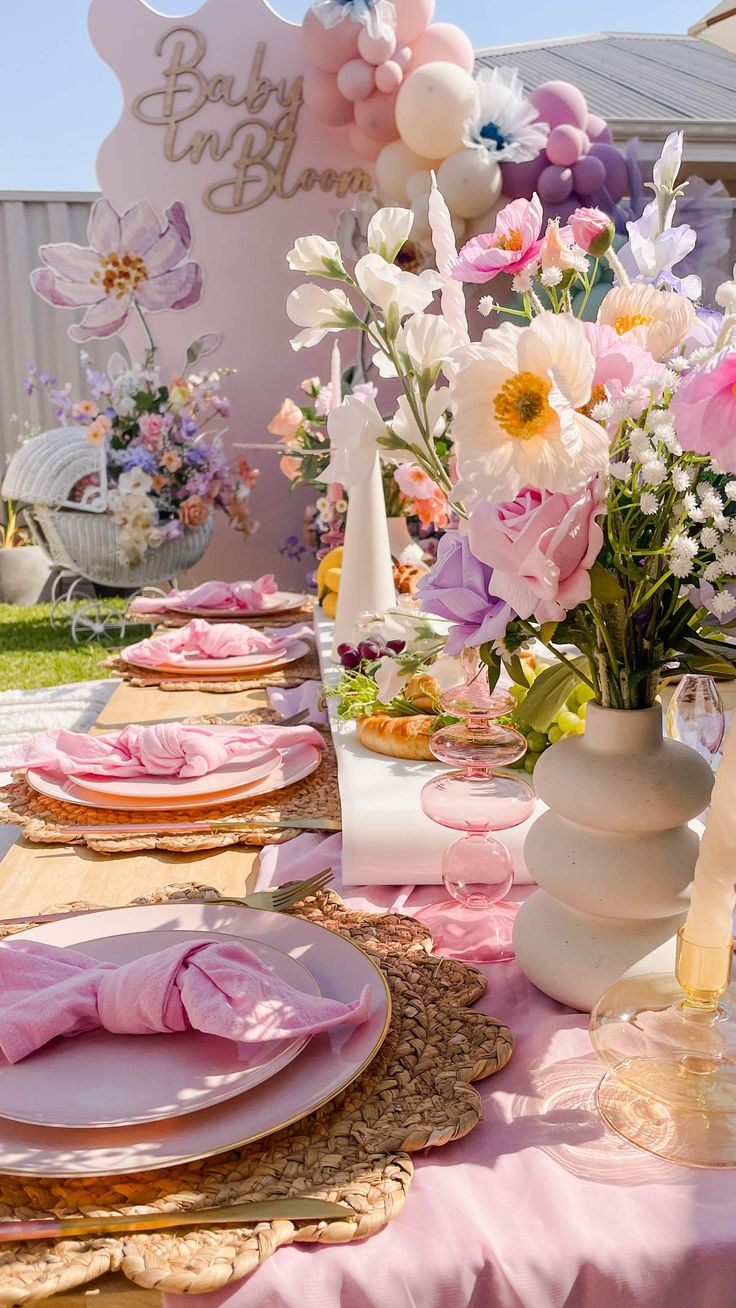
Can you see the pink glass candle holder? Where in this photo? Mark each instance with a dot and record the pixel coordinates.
(477, 799)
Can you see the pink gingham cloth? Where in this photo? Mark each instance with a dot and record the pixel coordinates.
(217, 987)
(166, 749)
(206, 640)
(541, 1206)
(229, 597)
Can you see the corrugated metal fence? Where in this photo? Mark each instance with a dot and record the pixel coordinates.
(30, 330)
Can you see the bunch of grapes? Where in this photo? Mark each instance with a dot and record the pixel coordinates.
(371, 650)
(569, 721)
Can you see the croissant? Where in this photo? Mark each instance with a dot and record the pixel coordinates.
(399, 737)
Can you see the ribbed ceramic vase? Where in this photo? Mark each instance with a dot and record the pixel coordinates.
(613, 855)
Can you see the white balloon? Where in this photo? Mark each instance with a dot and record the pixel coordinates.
(487, 221)
(420, 183)
(421, 231)
(432, 107)
(459, 227)
(394, 166)
(470, 181)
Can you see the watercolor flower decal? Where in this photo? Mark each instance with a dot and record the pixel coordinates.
(134, 259)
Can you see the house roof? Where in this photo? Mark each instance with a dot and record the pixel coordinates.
(639, 83)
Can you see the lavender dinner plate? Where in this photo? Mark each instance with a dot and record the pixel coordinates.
(326, 1066)
(99, 1079)
(294, 765)
(293, 649)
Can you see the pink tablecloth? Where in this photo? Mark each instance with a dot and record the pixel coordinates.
(539, 1207)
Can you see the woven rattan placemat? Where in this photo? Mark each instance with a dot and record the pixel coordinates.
(42, 820)
(293, 674)
(303, 614)
(416, 1093)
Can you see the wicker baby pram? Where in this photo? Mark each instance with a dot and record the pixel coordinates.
(79, 536)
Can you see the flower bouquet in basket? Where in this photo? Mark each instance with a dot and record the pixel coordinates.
(593, 477)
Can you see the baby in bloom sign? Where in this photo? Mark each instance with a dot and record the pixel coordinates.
(214, 116)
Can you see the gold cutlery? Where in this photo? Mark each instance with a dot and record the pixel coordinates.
(258, 1210)
(233, 823)
(276, 900)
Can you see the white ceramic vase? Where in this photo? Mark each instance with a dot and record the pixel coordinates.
(613, 855)
(367, 577)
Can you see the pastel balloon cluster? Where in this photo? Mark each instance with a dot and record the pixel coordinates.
(580, 164)
(354, 78)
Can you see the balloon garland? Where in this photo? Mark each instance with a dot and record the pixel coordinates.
(403, 87)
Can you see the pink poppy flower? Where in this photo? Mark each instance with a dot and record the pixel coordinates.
(704, 410)
(621, 365)
(131, 259)
(514, 242)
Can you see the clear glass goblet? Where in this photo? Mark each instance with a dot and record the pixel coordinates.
(695, 715)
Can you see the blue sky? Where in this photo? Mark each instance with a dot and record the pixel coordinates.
(58, 100)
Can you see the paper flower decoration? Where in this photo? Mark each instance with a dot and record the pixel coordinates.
(504, 121)
(133, 259)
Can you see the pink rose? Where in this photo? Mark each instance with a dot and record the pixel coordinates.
(592, 230)
(150, 426)
(287, 421)
(541, 547)
(193, 511)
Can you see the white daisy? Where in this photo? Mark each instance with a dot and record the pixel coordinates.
(504, 122)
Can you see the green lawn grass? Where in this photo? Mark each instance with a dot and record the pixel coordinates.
(34, 654)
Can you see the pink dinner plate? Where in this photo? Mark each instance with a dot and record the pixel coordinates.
(295, 649)
(283, 601)
(294, 765)
(99, 1079)
(229, 776)
(329, 1063)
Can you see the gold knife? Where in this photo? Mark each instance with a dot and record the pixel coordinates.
(265, 1210)
(213, 824)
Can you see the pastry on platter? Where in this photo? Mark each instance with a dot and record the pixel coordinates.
(407, 577)
(406, 737)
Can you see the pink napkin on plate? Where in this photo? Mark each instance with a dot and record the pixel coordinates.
(205, 640)
(167, 749)
(218, 987)
(231, 597)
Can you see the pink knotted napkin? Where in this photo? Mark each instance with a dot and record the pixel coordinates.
(167, 749)
(220, 988)
(204, 640)
(230, 597)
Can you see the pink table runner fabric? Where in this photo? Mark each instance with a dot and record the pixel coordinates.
(230, 597)
(167, 749)
(540, 1207)
(218, 987)
(206, 640)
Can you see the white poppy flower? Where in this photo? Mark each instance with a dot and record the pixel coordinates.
(318, 311)
(314, 254)
(354, 430)
(388, 230)
(384, 285)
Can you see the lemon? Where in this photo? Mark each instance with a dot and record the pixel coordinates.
(331, 579)
(331, 560)
(329, 604)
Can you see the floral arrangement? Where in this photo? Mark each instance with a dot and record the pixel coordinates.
(302, 429)
(594, 463)
(166, 470)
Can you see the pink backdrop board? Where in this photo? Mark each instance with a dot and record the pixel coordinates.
(213, 116)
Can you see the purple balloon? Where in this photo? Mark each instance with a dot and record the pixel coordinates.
(598, 129)
(617, 174)
(560, 102)
(589, 175)
(566, 145)
(520, 179)
(555, 184)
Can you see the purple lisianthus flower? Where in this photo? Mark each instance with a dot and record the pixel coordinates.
(173, 530)
(196, 455)
(189, 426)
(459, 588)
(135, 457)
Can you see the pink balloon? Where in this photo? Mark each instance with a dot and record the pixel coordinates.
(443, 43)
(555, 184)
(598, 129)
(589, 175)
(520, 179)
(617, 174)
(355, 80)
(362, 144)
(560, 102)
(566, 145)
(403, 57)
(376, 117)
(329, 47)
(389, 76)
(412, 16)
(376, 49)
(323, 100)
